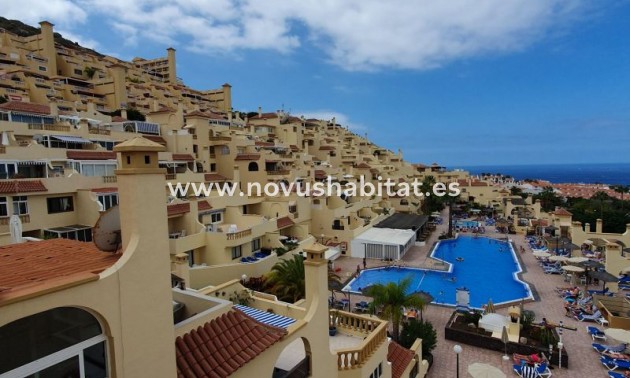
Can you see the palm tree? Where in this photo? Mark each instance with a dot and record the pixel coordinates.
(392, 297)
(286, 279)
(622, 189)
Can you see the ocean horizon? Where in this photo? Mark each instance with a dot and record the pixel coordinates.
(604, 173)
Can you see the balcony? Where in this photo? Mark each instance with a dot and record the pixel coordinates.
(171, 176)
(3, 150)
(100, 131)
(40, 126)
(238, 235)
(279, 172)
(26, 218)
(370, 333)
(109, 179)
(219, 138)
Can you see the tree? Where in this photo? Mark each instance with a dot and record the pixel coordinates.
(621, 189)
(286, 279)
(391, 298)
(3, 99)
(416, 329)
(89, 72)
(549, 200)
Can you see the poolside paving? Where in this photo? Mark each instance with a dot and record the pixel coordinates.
(583, 360)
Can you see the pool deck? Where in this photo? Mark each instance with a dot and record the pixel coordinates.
(584, 360)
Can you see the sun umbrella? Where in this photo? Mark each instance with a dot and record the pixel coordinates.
(591, 264)
(572, 268)
(15, 228)
(541, 254)
(558, 258)
(490, 307)
(618, 334)
(493, 322)
(479, 370)
(603, 276)
(577, 260)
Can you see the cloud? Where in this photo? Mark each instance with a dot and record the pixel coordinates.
(340, 118)
(61, 12)
(85, 42)
(353, 34)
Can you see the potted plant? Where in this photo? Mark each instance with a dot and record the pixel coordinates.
(332, 326)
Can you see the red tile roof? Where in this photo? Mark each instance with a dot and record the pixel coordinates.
(119, 119)
(223, 345)
(363, 166)
(22, 186)
(284, 222)
(35, 266)
(204, 206)
(214, 177)
(177, 209)
(327, 148)
(320, 174)
(294, 148)
(264, 144)
(90, 155)
(562, 212)
(211, 115)
(26, 107)
(399, 357)
(265, 115)
(164, 109)
(183, 157)
(247, 157)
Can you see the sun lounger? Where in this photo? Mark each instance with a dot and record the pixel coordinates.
(614, 374)
(527, 371)
(601, 348)
(614, 364)
(590, 318)
(600, 292)
(595, 333)
(553, 270)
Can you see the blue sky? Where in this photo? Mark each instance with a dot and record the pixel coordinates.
(460, 82)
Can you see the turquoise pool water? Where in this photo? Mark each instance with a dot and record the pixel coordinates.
(467, 223)
(488, 269)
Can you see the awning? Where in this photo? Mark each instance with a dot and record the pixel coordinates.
(71, 139)
(32, 162)
(266, 317)
(149, 128)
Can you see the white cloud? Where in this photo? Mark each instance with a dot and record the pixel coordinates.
(340, 118)
(61, 12)
(353, 34)
(85, 42)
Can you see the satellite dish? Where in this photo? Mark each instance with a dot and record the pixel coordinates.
(106, 232)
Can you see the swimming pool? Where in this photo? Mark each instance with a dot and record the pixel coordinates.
(488, 269)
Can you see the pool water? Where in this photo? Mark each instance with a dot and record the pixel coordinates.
(467, 223)
(488, 270)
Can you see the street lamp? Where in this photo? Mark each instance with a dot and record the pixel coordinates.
(457, 349)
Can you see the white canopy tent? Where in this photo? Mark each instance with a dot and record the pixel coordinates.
(383, 243)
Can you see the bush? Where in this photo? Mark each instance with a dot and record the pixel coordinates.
(416, 329)
(281, 251)
(472, 317)
(527, 319)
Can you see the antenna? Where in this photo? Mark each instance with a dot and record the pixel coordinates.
(106, 232)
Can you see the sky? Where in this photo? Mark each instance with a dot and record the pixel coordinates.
(459, 82)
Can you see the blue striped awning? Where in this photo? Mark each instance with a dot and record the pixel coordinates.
(266, 317)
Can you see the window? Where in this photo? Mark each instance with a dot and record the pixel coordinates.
(253, 167)
(225, 150)
(7, 170)
(4, 210)
(216, 217)
(237, 252)
(60, 204)
(78, 71)
(97, 169)
(42, 68)
(191, 258)
(256, 245)
(78, 232)
(20, 205)
(213, 167)
(147, 159)
(107, 200)
(62, 342)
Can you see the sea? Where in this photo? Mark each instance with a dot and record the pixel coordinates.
(611, 173)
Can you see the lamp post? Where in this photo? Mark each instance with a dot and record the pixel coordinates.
(560, 345)
(457, 349)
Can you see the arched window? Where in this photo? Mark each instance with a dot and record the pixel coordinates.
(62, 342)
(252, 167)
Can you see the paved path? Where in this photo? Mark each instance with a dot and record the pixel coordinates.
(584, 361)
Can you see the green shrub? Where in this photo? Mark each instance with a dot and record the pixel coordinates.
(416, 329)
(527, 318)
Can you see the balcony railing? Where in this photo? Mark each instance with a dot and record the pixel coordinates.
(171, 176)
(219, 138)
(39, 126)
(3, 150)
(26, 218)
(100, 131)
(109, 179)
(374, 331)
(279, 172)
(238, 235)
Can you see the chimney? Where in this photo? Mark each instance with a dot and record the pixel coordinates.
(54, 109)
(91, 107)
(123, 113)
(172, 65)
(599, 226)
(47, 46)
(229, 116)
(260, 112)
(156, 105)
(236, 176)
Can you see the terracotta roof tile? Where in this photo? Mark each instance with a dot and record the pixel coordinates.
(320, 174)
(177, 209)
(284, 222)
(399, 357)
(105, 190)
(327, 148)
(26, 107)
(183, 157)
(204, 206)
(43, 264)
(562, 212)
(294, 148)
(214, 177)
(119, 119)
(90, 155)
(264, 144)
(223, 345)
(163, 109)
(22, 186)
(363, 166)
(211, 115)
(247, 157)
